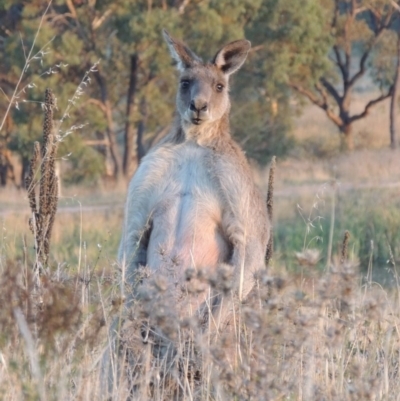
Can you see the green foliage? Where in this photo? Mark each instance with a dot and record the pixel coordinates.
(261, 137)
(296, 41)
(383, 62)
(86, 165)
(29, 131)
(292, 43)
(113, 32)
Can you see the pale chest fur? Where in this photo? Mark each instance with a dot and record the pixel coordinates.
(186, 209)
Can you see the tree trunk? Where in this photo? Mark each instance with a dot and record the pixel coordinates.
(130, 150)
(112, 143)
(6, 168)
(347, 142)
(3, 171)
(141, 130)
(139, 142)
(24, 170)
(394, 98)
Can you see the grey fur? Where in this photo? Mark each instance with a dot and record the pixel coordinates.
(192, 203)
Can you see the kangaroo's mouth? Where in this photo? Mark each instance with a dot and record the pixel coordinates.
(197, 121)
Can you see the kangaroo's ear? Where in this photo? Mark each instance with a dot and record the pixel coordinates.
(232, 56)
(184, 57)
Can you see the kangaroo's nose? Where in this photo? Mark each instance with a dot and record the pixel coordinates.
(200, 106)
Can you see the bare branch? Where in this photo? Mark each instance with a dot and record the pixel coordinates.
(361, 71)
(331, 89)
(97, 22)
(347, 36)
(97, 103)
(362, 66)
(5, 94)
(256, 48)
(310, 95)
(335, 15)
(388, 18)
(323, 104)
(340, 63)
(370, 104)
(71, 8)
(182, 7)
(395, 5)
(28, 59)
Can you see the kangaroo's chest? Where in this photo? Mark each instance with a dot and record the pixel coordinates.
(187, 213)
(188, 180)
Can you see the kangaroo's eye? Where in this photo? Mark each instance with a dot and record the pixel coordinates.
(185, 84)
(220, 87)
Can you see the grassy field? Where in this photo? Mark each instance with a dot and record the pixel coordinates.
(313, 329)
(322, 323)
(363, 188)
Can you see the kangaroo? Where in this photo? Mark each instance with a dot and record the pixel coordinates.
(192, 205)
(192, 202)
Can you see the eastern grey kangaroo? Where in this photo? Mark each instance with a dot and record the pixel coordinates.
(192, 203)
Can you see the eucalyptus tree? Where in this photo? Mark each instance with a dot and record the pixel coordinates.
(322, 50)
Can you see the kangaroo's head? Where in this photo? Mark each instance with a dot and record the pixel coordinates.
(203, 96)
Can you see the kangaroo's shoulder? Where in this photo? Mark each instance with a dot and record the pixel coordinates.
(228, 152)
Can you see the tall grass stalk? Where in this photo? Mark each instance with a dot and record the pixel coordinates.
(28, 60)
(31, 350)
(331, 226)
(270, 210)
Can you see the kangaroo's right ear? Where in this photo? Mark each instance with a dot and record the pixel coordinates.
(184, 57)
(231, 57)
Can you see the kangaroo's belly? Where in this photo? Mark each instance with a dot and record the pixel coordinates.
(186, 233)
(186, 219)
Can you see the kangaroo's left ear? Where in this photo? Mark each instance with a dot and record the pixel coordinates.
(184, 57)
(232, 56)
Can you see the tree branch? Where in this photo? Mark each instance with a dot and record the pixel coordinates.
(331, 89)
(308, 94)
(71, 8)
(347, 37)
(182, 6)
(322, 104)
(370, 104)
(361, 71)
(340, 64)
(97, 103)
(380, 28)
(98, 21)
(7, 80)
(395, 5)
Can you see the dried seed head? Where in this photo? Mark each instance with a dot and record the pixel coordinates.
(270, 210)
(190, 274)
(222, 280)
(345, 247)
(44, 215)
(309, 257)
(29, 182)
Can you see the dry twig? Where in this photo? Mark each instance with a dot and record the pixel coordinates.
(270, 209)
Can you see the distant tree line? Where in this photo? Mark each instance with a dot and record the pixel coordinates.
(315, 49)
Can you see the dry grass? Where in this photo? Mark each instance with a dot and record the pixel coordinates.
(362, 168)
(309, 337)
(301, 336)
(82, 233)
